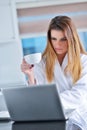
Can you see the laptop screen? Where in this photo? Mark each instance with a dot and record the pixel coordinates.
(34, 103)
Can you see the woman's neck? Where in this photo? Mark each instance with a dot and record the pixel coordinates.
(60, 58)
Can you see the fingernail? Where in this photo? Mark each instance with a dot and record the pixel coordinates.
(32, 65)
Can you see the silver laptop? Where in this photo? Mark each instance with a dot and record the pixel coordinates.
(34, 103)
(4, 114)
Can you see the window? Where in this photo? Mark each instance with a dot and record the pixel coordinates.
(33, 23)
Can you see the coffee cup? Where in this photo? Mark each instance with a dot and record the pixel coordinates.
(33, 58)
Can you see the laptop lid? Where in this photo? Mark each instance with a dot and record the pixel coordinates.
(34, 103)
(4, 114)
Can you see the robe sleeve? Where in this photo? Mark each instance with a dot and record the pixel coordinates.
(78, 94)
(39, 73)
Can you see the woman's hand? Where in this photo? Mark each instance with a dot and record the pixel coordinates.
(28, 70)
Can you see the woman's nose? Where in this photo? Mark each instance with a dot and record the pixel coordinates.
(58, 43)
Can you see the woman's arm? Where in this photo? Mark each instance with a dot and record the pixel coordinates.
(35, 74)
(78, 94)
(28, 70)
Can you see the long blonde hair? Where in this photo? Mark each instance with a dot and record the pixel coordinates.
(75, 48)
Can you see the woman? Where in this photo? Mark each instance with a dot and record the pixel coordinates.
(64, 62)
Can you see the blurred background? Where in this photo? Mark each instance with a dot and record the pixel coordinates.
(23, 27)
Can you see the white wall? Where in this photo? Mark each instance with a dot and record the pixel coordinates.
(10, 61)
(10, 46)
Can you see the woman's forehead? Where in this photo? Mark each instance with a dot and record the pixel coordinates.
(58, 33)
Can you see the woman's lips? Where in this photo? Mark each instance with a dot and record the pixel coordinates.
(58, 49)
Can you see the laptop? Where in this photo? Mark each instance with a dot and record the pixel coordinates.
(4, 114)
(46, 125)
(34, 103)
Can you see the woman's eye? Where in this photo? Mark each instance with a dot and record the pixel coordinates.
(64, 39)
(53, 38)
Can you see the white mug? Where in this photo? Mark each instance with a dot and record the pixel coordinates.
(33, 58)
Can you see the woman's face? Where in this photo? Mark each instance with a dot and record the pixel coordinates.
(59, 42)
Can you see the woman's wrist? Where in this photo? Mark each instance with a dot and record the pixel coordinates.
(31, 80)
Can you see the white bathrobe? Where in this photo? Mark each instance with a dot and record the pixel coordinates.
(72, 96)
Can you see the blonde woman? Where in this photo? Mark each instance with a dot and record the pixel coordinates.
(64, 62)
